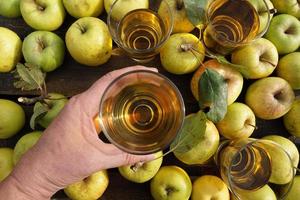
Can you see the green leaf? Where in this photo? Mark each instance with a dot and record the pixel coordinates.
(39, 111)
(192, 131)
(240, 68)
(195, 10)
(29, 77)
(213, 95)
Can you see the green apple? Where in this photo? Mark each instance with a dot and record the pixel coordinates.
(55, 103)
(181, 23)
(284, 33)
(182, 53)
(84, 8)
(264, 193)
(294, 193)
(10, 49)
(292, 119)
(24, 144)
(142, 172)
(171, 183)
(289, 69)
(12, 118)
(6, 162)
(287, 145)
(282, 171)
(260, 7)
(291, 7)
(10, 8)
(270, 98)
(123, 7)
(259, 59)
(205, 148)
(45, 15)
(90, 188)
(233, 78)
(239, 122)
(89, 41)
(209, 187)
(44, 49)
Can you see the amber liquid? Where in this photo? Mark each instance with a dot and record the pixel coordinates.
(142, 116)
(251, 168)
(141, 30)
(231, 23)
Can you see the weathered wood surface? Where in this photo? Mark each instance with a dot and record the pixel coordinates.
(73, 78)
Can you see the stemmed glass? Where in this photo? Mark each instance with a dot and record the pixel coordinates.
(233, 23)
(140, 31)
(141, 112)
(247, 165)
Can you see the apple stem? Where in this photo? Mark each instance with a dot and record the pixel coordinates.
(82, 29)
(169, 190)
(136, 166)
(267, 61)
(255, 127)
(41, 43)
(29, 101)
(186, 47)
(271, 11)
(179, 4)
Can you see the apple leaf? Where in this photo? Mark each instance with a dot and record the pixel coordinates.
(39, 111)
(213, 95)
(240, 68)
(29, 77)
(192, 131)
(195, 10)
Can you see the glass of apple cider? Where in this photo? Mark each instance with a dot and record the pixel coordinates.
(140, 30)
(233, 23)
(141, 112)
(249, 165)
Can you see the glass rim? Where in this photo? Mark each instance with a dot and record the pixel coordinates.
(104, 130)
(259, 35)
(130, 50)
(252, 141)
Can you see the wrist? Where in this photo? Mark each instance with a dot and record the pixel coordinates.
(28, 180)
(13, 189)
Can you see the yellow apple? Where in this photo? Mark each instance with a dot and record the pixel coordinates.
(292, 119)
(209, 187)
(233, 78)
(264, 193)
(205, 148)
(25, 143)
(84, 8)
(10, 49)
(239, 122)
(270, 98)
(6, 162)
(287, 145)
(181, 23)
(182, 53)
(12, 117)
(89, 41)
(91, 188)
(142, 172)
(171, 183)
(282, 171)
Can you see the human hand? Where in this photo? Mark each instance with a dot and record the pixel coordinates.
(69, 149)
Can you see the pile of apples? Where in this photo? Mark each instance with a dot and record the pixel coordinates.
(272, 62)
